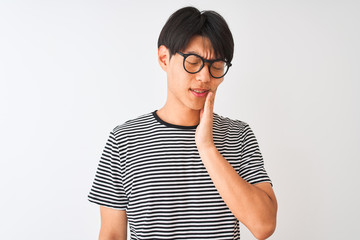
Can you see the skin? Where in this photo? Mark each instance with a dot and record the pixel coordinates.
(253, 205)
(182, 107)
(113, 224)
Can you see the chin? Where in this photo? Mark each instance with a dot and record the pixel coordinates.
(197, 107)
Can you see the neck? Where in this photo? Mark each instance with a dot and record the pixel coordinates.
(182, 116)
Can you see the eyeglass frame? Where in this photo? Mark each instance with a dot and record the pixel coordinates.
(185, 55)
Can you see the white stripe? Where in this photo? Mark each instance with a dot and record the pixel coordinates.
(154, 171)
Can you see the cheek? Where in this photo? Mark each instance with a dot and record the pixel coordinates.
(177, 83)
(178, 78)
(216, 83)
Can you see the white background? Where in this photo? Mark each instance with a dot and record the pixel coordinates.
(71, 71)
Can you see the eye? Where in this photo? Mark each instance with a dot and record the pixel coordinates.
(218, 65)
(192, 63)
(193, 60)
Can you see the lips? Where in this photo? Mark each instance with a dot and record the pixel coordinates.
(199, 92)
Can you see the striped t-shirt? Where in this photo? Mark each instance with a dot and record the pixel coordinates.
(152, 169)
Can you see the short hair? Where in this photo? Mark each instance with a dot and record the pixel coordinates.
(188, 22)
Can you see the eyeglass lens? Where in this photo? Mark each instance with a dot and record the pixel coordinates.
(194, 63)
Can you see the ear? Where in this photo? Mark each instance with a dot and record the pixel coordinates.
(163, 57)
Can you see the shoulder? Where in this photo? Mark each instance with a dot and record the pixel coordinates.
(225, 123)
(139, 123)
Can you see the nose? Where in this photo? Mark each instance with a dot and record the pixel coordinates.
(204, 74)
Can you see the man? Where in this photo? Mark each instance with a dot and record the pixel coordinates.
(184, 172)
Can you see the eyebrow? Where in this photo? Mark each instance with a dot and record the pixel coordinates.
(193, 52)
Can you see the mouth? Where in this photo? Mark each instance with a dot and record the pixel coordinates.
(198, 92)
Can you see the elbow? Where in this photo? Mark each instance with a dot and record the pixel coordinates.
(263, 231)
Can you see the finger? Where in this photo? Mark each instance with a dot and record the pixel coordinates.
(201, 113)
(207, 110)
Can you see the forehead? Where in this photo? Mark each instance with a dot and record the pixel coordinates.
(200, 45)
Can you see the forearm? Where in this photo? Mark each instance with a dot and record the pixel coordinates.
(106, 235)
(250, 204)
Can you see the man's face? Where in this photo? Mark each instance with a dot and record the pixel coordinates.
(185, 90)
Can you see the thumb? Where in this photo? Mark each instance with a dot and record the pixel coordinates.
(201, 113)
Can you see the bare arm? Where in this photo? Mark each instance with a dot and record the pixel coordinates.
(253, 205)
(113, 224)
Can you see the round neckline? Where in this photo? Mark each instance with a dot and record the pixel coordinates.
(171, 125)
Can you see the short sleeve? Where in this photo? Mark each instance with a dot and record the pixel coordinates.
(252, 165)
(107, 189)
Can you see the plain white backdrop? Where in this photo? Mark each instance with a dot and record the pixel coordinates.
(71, 71)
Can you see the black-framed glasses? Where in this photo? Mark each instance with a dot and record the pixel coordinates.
(193, 63)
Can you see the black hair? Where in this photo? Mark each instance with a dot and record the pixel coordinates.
(188, 22)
